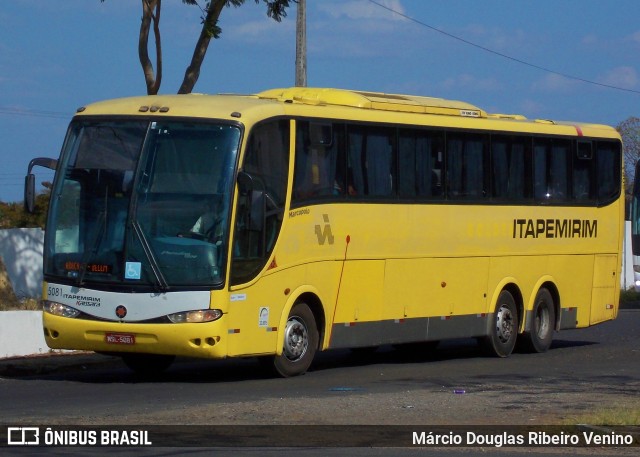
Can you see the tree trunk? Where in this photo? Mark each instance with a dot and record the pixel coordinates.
(152, 81)
(193, 70)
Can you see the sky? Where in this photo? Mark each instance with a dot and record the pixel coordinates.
(504, 56)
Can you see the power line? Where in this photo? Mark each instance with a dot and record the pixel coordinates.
(33, 113)
(500, 54)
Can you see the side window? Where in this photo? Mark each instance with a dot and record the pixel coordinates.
(420, 164)
(467, 175)
(551, 170)
(260, 207)
(371, 161)
(583, 182)
(320, 162)
(609, 169)
(267, 157)
(511, 168)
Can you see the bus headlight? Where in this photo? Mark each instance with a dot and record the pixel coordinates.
(200, 315)
(58, 309)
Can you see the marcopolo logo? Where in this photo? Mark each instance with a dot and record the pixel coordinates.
(324, 233)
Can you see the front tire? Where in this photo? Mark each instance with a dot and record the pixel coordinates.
(504, 330)
(300, 342)
(540, 335)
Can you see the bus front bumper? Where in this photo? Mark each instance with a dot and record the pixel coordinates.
(204, 340)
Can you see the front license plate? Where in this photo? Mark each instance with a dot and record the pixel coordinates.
(120, 338)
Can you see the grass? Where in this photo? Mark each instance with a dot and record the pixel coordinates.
(630, 299)
(9, 301)
(620, 415)
(28, 304)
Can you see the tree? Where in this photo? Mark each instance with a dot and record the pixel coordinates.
(629, 130)
(276, 9)
(13, 215)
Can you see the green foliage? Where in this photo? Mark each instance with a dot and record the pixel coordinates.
(13, 215)
(629, 298)
(212, 30)
(276, 10)
(622, 414)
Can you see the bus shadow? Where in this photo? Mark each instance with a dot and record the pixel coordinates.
(422, 353)
(566, 344)
(247, 369)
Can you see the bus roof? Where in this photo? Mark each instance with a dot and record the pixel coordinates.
(223, 106)
(304, 101)
(374, 100)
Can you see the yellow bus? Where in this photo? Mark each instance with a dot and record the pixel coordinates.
(306, 219)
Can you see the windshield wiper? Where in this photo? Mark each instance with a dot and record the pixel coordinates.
(161, 282)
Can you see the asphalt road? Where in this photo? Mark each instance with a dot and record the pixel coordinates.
(584, 371)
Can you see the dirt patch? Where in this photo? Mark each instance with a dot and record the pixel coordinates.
(8, 299)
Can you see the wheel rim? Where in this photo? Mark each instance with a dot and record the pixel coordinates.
(542, 321)
(504, 324)
(296, 339)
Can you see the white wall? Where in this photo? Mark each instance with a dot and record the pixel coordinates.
(21, 334)
(21, 251)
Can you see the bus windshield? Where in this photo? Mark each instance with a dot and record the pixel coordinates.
(142, 203)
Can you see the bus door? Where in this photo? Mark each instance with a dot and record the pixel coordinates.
(256, 298)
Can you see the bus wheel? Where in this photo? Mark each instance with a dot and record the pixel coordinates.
(504, 331)
(148, 364)
(540, 334)
(300, 342)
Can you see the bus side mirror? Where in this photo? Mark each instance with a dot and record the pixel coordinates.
(29, 193)
(254, 202)
(245, 183)
(30, 181)
(257, 211)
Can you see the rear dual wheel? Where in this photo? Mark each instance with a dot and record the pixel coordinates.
(540, 335)
(503, 332)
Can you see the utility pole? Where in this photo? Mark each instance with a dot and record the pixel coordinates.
(301, 44)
